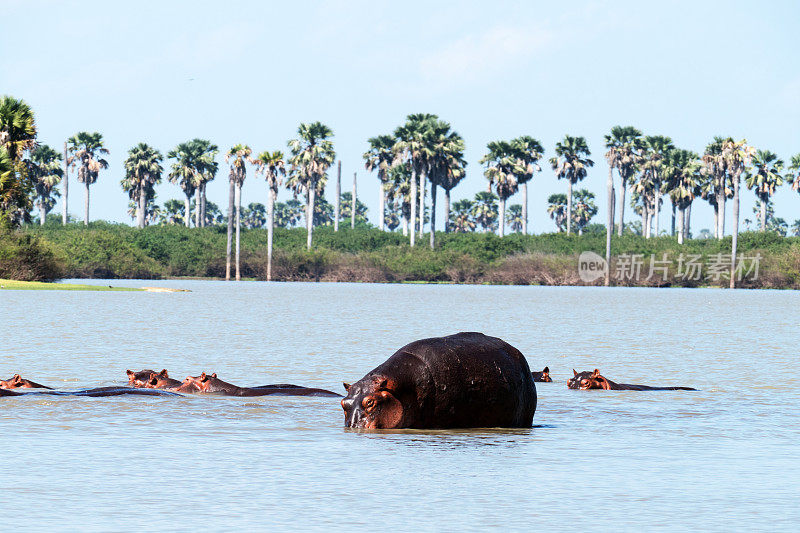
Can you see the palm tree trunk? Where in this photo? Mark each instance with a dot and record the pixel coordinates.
(525, 208)
(413, 228)
(501, 223)
(405, 226)
(609, 225)
(381, 206)
(735, 234)
(238, 226)
(674, 211)
(42, 213)
(657, 209)
(203, 208)
(188, 210)
(721, 219)
(569, 206)
(312, 190)
(65, 206)
(623, 190)
(197, 208)
(681, 224)
(230, 231)
(422, 184)
(687, 223)
(336, 204)
(447, 210)
(716, 221)
(433, 215)
(86, 204)
(270, 225)
(763, 215)
(353, 206)
(140, 207)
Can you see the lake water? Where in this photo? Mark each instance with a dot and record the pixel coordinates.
(719, 459)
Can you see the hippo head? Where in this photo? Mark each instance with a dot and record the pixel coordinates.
(588, 380)
(201, 383)
(161, 381)
(546, 375)
(139, 379)
(18, 382)
(372, 404)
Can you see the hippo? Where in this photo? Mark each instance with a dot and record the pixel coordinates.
(466, 380)
(543, 376)
(150, 379)
(7, 392)
(211, 384)
(593, 380)
(97, 392)
(17, 382)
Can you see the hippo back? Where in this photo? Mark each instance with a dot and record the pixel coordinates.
(464, 380)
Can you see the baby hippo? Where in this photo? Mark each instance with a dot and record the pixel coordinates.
(17, 382)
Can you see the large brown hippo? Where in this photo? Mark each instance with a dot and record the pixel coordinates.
(18, 382)
(465, 380)
(593, 380)
(211, 384)
(543, 376)
(150, 379)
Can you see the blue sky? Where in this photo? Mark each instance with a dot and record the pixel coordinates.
(165, 72)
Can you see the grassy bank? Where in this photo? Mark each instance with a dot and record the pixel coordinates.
(105, 250)
(15, 285)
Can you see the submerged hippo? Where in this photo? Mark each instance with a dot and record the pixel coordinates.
(210, 384)
(150, 379)
(98, 392)
(17, 382)
(593, 380)
(465, 380)
(543, 376)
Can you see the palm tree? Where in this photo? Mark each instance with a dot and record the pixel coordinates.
(272, 167)
(380, 157)
(398, 190)
(85, 149)
(206, 166)
(17, 136)
(680, 171)
(570, 163)
(718, 188)
(185, 173)
(462, 220)
(584, 209)
(502, 168)
(237, 157)
(484, 210)
(514, 218)
(623, 146)
(312, 155)
(528, 151)
(765, 179)
(446, 167)
(17, 128)
(412, 146)
(793, 176)
(174, 212)
(557, 209)
(46, 173)
(655, 148)
(737, 157)
(142, 172)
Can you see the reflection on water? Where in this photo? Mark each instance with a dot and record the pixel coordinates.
(719, 458)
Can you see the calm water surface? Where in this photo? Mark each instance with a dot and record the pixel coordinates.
(722, 458)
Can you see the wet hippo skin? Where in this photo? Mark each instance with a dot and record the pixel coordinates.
(461, 381)
(593, 380)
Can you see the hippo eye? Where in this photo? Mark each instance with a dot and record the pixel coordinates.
(369, 403)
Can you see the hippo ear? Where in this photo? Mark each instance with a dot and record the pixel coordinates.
(346, 386)
(576, 374)
(163, 373)
(214, 375)
(129, 372)
(546, 370)
(596, 373)
(16, 379)
(202, 376)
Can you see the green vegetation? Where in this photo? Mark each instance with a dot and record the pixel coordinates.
(367, 254)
